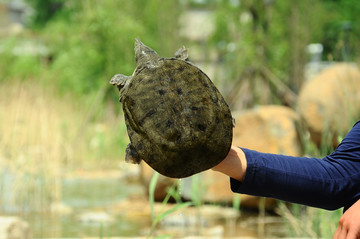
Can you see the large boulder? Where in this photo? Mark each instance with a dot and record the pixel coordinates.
(162, 184)
(12, 227)
(330, 101)
(270, 129)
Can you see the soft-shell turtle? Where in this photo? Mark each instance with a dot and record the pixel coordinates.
(176, 119)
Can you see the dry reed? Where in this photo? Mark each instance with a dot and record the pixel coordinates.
(31, 147)
(41, 137)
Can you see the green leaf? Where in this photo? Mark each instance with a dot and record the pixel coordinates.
(171, 210)
(152, 187)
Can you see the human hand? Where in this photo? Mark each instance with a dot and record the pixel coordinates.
(349, 223)
(234, 164)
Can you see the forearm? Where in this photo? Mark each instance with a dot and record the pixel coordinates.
(314, 182)
(329, 183)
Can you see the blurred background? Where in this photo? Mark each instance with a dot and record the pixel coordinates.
(288, 70)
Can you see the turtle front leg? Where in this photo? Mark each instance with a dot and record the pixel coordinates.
(120, 80)
(131, 155)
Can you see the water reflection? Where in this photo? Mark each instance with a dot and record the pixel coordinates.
(110, 208)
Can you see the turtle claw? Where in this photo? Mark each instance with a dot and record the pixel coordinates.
(131, 155)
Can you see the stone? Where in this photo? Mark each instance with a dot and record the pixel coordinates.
(217, 190)
(12, 227)
(60, 208)
(96, 218)
(329, 102)
(268, 129)
(163, 182)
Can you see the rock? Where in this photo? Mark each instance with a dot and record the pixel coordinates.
(184, 221)
(96, 218)
(329, 102)
(60, 208)
(268, 129)
(202, 221)
(163, 183)
(216, 189)
(12, 227)
(130, 173)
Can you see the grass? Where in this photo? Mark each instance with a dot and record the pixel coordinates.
(309, 222)
(172, 192)
(31, 147)
(303, 221)
(44, 135)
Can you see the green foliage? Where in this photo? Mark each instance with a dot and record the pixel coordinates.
(44, 10)
(89, 53)
(302, 221)
(236, 203)
(172, 192)
(15, 62)
(152, 187)
(198, 190)
(91, 40)
(342, 30)
(251, 35)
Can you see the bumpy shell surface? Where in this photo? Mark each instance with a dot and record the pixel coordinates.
(177, 120)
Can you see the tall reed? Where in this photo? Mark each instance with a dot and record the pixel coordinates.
(43, 136)
(172, 192)
(31, 148)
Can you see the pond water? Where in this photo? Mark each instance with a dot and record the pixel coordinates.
(90, 201)
(94, 214)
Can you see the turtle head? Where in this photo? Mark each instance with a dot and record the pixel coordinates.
(120, 80)
(144, 53)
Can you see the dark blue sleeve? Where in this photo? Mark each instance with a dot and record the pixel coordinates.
(329, 183)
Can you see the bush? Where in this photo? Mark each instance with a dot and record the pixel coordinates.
(97, 41)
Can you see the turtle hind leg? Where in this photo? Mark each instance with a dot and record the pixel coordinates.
(131, 155)
(182, 54)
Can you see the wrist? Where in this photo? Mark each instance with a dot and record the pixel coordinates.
(234, 164)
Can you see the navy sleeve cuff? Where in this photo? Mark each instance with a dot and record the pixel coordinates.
(247, 186)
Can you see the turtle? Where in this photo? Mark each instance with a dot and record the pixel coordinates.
(176, 119)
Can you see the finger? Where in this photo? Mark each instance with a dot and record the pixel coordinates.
(337, 233)
(351, 234)
(340, 233)
(343, 233)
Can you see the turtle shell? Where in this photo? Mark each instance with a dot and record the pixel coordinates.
(177, 120)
